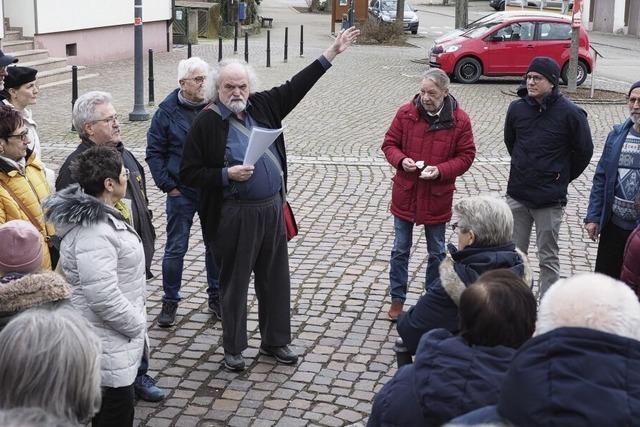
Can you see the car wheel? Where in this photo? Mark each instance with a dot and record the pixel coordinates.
(414, 31)
(581, 76)
(501, 7)
(468, 70)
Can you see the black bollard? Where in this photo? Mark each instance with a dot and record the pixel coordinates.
(74, 90)
(301, 38)
(189, 50)
(268, 48)
(151, 90)
(402, 354)
(286, 42)
(235, 38)
(246, 47)
(219, 49)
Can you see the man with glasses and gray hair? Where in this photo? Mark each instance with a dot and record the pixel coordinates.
(96, 121)
(613, 213)
(430, 144)
(549, 140)
(165, 140)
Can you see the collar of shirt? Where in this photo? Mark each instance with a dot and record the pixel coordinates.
(437, 113)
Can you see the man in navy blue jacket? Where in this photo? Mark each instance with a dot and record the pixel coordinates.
(165, 139)
(612, 213)
(549, 140)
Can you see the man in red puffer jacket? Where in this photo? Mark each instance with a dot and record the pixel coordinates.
(430, 143)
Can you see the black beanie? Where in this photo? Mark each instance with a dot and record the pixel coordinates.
(17, 76)
(634, 86)
(547, 67)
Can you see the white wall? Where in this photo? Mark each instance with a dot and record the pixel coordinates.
(68, 15)
(21, 14)
(618, 16)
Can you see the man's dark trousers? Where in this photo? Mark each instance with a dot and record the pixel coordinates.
(251, 237)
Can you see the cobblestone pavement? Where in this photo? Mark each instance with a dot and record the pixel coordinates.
(339, 188)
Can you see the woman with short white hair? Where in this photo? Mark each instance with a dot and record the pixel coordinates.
(485, 230)
(50, 359)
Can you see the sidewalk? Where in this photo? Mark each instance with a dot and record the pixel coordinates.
(340, 191)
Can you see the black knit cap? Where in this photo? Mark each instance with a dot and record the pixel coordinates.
(19, 76)
(547, 67)
(634, 86)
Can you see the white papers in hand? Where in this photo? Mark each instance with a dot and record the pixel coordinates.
(259, 141)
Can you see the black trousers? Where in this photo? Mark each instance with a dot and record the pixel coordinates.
(611, 250)
(117, 407)
(251, 238)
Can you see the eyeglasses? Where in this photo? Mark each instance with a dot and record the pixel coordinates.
(109, 120)
(23, 136)
(533, 78)
(633, 101)
(126, 173)
(198, 79)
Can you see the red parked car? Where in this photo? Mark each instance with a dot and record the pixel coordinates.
(503, 44)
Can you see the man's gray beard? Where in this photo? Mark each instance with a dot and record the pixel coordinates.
(237, 106)
(634, 119)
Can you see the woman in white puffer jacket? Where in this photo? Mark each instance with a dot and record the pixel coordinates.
(103, 261)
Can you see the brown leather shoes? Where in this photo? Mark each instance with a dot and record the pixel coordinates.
(395, 310)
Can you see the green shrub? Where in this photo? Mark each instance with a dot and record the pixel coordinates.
(373, 32)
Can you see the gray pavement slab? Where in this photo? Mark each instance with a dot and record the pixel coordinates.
(340, 192)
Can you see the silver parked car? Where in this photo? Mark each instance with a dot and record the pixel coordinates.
(385, 11)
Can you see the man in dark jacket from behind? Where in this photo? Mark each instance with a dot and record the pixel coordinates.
(582, 366)
(485, 229)
(549, 140)
(242, 204)
(165, 141)
(456, 374)
(96, 121)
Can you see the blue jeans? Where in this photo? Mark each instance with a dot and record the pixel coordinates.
(399, 263)
(180, 212)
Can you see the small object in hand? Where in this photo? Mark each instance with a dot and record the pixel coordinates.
(427, 174)
(420, 164)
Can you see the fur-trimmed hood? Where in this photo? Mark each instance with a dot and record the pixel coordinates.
(72, 207)
(29, 291)
(462, 268)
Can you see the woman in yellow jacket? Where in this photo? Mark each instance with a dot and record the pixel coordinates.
(23, 184)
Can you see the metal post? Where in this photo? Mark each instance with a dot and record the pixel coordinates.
(188, 49)
(219, 49)
(151, 90)
(74, 90)
(286, 42)
(235, 38)
(246, 47)
(138, 113)
(268, 48)
(301, 38)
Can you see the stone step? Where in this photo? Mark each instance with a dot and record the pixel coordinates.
(10, 35)
(30, 55)
(68, 81)
(45, 64)
(16, 45)
(58, 74)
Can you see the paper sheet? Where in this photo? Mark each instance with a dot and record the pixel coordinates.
(259, 141)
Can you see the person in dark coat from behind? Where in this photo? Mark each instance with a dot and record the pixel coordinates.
(583, 366)
(485, 230)
(455, 374)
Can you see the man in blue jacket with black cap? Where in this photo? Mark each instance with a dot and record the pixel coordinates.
(549, 140)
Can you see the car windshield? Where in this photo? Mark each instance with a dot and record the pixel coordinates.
(480, 30)
(391, 6)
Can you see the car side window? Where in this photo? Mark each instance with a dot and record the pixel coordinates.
(516, 32)
(554, 31)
